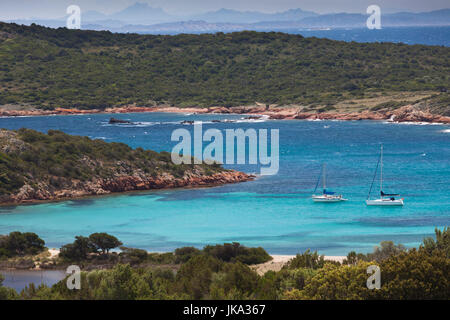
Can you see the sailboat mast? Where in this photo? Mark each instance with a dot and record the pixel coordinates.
(324, 175)
(381, 174)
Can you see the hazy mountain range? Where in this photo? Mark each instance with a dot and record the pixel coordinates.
(143, 18)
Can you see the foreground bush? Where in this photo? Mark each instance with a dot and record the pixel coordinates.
(217, 273)
(306, 260)
(6, 293)
(415, 275)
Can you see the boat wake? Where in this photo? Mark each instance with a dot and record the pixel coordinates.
(414, 123)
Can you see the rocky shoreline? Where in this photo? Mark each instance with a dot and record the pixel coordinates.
(123, 183)
(407, 113)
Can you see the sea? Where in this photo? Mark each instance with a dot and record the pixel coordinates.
(275, 211)
(439, 35)
(426, 35)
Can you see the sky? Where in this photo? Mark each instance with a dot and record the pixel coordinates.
(48, 9)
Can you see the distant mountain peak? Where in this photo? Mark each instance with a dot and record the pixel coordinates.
(138, 7)
(142, 17)
(142, 13)
(224, 10)
(234, 16)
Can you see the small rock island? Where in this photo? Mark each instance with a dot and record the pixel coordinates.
(114, 121)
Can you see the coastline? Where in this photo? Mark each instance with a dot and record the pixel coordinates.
(276, 264)
(126, 184)
(403, 114)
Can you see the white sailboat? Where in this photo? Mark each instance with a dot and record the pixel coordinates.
(385, 199)
(326, 196)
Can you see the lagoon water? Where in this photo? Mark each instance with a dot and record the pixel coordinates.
(19, 279)
(275, 212)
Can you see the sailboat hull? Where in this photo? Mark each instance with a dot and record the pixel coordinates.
(385, 202)
(327, 199)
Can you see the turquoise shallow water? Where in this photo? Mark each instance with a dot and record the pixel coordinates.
(274, 212)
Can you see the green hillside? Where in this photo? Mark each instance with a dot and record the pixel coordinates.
(50, 68)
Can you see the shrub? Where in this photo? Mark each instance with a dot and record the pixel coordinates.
(415, 275)
(6, 293)
(234, 281)
(442, 242)
(132, 256)
(306, 260)
(231, 252)
(386, 250)
(195, 276)
(78, 250)
(20, 244)
(182, 255)
(333, 282)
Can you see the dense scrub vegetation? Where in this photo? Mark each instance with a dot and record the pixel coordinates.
(421, 273)
(31, 156)
(95, 249)
(20, 244)
(80, 249)
(52, 68)
(234, 252)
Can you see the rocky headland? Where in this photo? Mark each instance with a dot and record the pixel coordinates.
(120, 183)
(39, 167)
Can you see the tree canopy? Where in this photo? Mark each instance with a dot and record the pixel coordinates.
(20, 244)
(104, 242)
(405, 274)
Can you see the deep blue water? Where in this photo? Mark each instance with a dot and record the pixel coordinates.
(439, 36)
(274, 212)
(409, 35)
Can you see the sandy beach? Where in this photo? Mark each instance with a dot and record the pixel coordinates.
(280, 260)
(53, 253)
